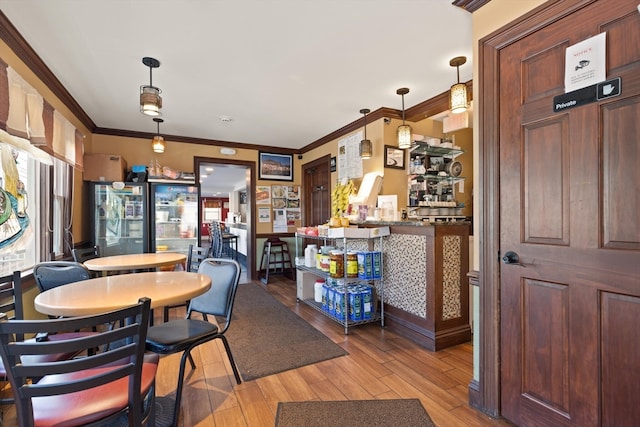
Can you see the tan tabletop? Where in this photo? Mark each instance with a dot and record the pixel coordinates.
(107, 293)
(134, 261)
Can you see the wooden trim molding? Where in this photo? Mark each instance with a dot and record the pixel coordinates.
(489, 189)
(470, 5)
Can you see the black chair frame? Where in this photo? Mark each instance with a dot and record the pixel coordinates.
(84, 373)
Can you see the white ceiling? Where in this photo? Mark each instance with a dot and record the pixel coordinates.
(287, 72)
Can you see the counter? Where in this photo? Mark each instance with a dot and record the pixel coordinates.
(425, 281)
(239, 229)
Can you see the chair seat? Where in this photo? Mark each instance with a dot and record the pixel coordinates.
(178, 335)
(82, 407)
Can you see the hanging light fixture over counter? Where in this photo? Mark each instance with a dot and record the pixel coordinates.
(158, 140)
(458, 100)
(404, 130)
(150, 100)
(366, 148)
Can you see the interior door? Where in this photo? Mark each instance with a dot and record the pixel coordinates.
(569, 203)
(317, 186)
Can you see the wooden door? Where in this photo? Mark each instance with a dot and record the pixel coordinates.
(569, 207)
(316, 181)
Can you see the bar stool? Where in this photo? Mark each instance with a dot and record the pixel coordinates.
(276, 257)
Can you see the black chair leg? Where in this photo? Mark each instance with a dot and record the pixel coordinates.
(230, 356)
(176, 407)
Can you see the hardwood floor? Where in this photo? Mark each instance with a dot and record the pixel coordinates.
(380, 365)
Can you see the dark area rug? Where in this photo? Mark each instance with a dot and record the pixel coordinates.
(266, 337)
(353, 413)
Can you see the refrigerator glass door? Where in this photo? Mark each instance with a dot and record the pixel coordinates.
(176, 217)
(119, 219)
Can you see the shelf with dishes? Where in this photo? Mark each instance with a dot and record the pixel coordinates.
(434, 178)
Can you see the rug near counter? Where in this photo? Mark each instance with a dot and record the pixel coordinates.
(266, 337)
(353, 413)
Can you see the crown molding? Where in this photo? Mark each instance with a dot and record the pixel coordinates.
(470, 5)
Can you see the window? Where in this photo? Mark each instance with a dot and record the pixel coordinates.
(35, 210)
(20, 220)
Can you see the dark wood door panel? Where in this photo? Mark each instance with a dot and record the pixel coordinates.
(545, 358)
(621, 174)
(620, 347)
(545, 182)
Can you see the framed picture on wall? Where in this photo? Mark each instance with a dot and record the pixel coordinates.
(278, 167)
(393, 157)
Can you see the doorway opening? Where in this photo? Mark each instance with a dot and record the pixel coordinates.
(224, 196)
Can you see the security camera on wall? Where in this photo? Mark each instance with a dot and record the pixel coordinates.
(387, 120)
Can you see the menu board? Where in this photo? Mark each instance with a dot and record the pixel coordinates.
(349, 161)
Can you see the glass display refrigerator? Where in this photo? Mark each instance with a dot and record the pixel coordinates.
(174, 216)
(119, 222)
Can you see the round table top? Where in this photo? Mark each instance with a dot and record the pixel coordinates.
(134, 261)
(108, 293)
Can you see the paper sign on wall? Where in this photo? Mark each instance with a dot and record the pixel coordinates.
(585, 63)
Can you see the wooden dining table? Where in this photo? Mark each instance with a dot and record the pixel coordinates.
(132, 262)
(107, 293)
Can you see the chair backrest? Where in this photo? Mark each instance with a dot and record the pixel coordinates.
(195, 256)
(84, 373)
(83, 254)
(215, 232)
(218, 300)
(11, 296)
(51, 274)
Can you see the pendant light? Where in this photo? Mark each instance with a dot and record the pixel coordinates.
(404, 131)
(150, 100)
(158, 141)
(366, 148)
(458, 101)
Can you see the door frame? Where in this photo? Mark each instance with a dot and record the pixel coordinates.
(489, 49)
(251, 210)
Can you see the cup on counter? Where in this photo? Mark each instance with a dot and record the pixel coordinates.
(363, 212)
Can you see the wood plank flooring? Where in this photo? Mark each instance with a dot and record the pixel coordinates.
(380, 365)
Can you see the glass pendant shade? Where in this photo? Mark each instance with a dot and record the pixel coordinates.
(404, 130)
(158, 141)
(458, 98)
(404, 136)
(158, 144)
(366, 149)
(150, 101)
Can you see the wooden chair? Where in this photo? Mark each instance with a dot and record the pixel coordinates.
(195, 256)
(182, 336)
(118, 382)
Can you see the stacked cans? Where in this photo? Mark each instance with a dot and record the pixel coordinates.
(369, 265)
(352, 301)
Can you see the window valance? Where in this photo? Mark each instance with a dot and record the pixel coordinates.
(26, 116)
